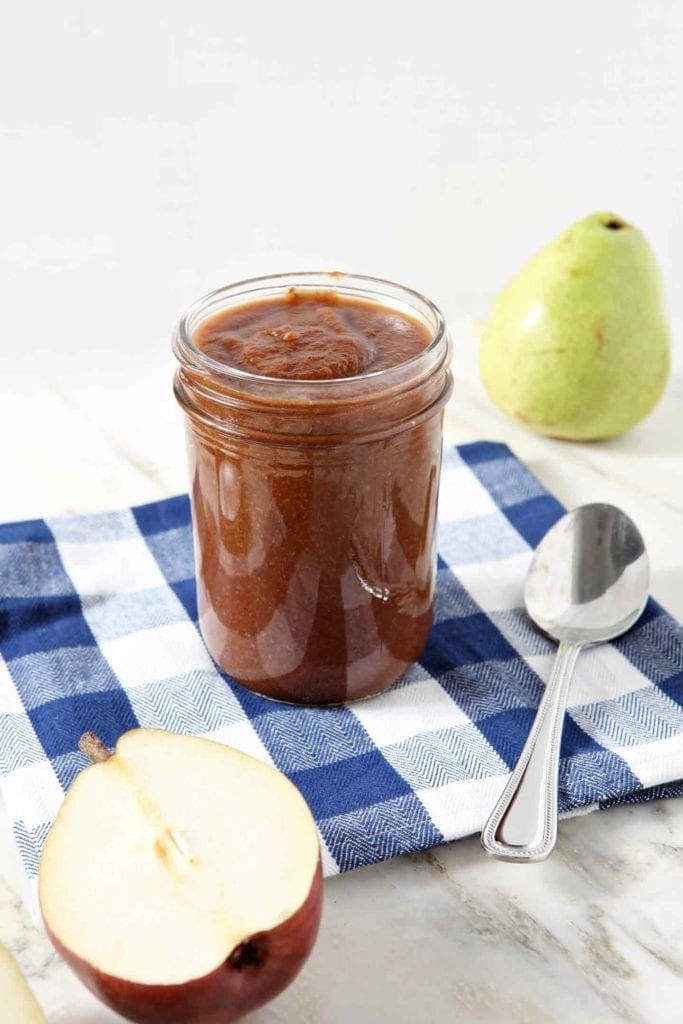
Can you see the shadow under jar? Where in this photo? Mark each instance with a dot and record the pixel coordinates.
(314, 412)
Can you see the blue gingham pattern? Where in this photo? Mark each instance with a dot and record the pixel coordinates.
(98, 631)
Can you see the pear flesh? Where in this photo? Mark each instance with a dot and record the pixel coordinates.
(577, 345)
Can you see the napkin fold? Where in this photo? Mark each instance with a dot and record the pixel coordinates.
(98, 630)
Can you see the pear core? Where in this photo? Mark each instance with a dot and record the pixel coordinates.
(166, 857)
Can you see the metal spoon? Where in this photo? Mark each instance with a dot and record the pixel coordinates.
(587, 583)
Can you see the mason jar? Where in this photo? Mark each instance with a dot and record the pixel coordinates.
(314, 503)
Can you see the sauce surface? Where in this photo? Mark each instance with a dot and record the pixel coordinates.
(311, 336)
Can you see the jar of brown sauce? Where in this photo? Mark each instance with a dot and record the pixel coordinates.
(314, 408)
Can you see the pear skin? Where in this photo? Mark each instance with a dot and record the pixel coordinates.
(577, 345)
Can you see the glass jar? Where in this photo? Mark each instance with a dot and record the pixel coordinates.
(314, 505)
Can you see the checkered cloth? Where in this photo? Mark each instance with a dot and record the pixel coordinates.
(98, 631)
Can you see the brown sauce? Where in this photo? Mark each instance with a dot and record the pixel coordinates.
(311, 336)
(314, 536)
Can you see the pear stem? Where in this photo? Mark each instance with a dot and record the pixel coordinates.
(92, 746)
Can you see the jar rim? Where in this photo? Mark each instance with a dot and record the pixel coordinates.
(372, 289)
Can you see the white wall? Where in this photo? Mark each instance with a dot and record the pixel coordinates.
(153, 150)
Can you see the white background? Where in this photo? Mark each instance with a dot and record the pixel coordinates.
(153, 150)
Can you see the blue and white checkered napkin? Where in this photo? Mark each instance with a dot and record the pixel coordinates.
(98, 631)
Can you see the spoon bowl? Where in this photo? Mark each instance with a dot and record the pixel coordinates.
(588, 580)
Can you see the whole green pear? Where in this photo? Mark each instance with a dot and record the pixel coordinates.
(577, 344)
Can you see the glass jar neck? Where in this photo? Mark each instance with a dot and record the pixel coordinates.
(235, 402)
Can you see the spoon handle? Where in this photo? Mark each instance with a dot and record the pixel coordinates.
(523, 825)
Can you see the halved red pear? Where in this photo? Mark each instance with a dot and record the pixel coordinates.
(181, 880)
(17, 1002)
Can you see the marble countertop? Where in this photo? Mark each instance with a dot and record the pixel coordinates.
(595, 934)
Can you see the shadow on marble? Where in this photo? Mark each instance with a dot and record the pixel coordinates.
(661, 433)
